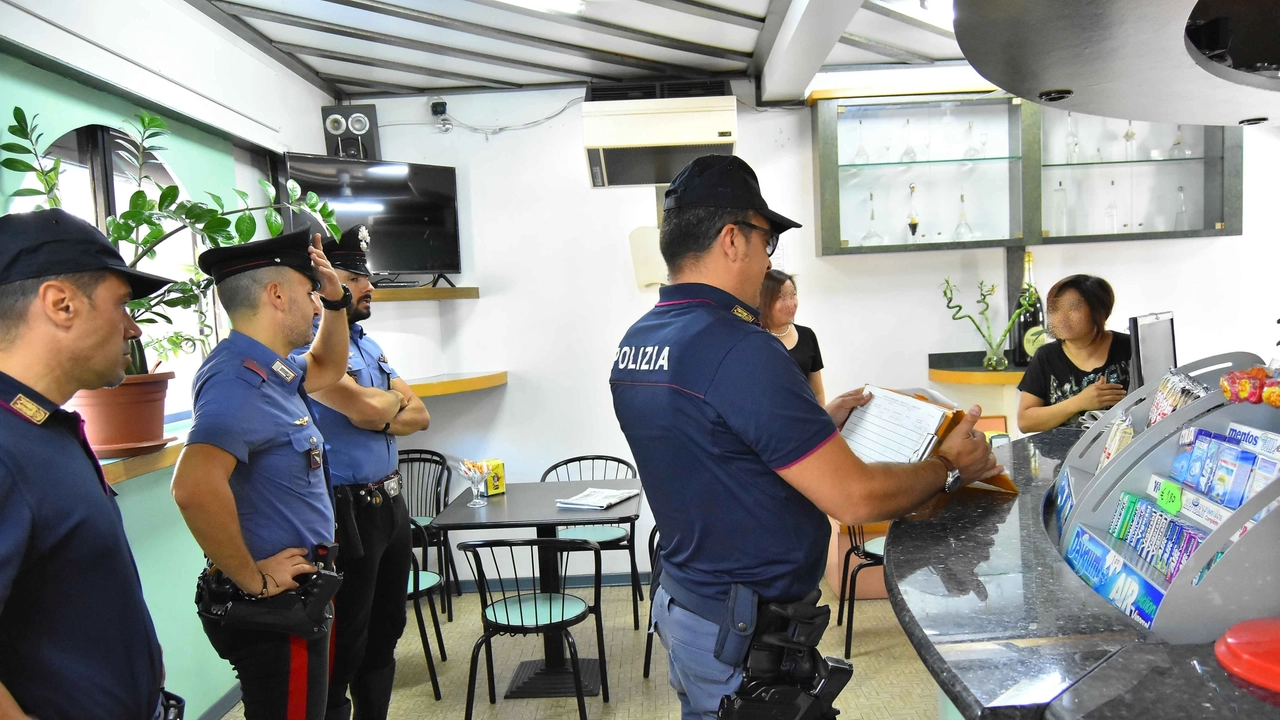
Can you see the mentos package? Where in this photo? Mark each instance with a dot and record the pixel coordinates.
(1260, 442)
(1231, 478)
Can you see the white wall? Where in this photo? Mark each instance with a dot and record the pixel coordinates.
(550, 256)
(173, 55)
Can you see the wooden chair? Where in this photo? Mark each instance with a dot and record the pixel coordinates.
(608, 537)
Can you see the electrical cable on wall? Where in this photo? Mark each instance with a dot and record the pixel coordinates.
(445, 122)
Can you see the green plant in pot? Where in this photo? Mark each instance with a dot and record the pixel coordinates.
(129, 420)
(994, 358)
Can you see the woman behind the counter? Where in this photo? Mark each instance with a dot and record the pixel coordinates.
(1086, 368)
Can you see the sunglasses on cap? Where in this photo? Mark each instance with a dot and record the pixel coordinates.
(771, 244)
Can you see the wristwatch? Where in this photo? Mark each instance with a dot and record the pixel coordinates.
(341, 303)
(953, 475)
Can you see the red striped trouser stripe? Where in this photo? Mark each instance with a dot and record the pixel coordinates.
(298, 670)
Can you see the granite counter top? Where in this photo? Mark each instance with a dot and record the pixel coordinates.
(1009, 631)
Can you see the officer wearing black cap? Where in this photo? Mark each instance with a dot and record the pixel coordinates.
(740, 463)
(360, 417)
(251, 481)
(76, 640)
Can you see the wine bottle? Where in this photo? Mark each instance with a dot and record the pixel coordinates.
(1028, 331)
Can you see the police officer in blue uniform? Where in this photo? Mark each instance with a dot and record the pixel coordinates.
(360, 417)
(251, 481)
(76, 640)
(740, 463)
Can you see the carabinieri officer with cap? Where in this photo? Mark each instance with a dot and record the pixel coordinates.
(76, 640)
(251, 481)
(360, 417)
(740, 463)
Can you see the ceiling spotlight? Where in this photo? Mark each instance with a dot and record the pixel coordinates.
(1253, 121)
(1055, 95)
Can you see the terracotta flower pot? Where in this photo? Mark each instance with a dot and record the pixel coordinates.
(126, 420)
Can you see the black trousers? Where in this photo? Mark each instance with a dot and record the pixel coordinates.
(282, 677)
(369, 614)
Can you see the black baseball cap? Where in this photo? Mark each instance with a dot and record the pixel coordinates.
(348, 252)
(55, 242)
(724, 181)
(288, 250)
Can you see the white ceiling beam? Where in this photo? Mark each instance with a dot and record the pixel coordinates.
(809, 31)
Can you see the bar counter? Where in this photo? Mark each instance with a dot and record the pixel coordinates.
(1009, 631)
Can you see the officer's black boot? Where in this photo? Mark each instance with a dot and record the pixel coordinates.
(371, 693)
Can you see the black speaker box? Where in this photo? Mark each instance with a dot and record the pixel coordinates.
(351, 131)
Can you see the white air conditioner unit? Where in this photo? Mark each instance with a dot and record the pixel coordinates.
(646, 142)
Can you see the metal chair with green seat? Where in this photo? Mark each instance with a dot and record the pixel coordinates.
(512, 602)
(608, 537)
(426, 478)
(872, 554)
(423, 583)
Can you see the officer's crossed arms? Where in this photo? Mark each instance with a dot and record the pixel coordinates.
(201, 486)
(369, 408)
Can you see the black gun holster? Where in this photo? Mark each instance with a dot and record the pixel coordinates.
(784, 677)
(306, 611)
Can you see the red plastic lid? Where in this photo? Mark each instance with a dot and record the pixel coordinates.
(1251, 650)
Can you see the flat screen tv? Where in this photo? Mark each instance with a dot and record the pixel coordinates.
(411, 210)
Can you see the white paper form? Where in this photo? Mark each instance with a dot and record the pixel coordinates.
(893, 427)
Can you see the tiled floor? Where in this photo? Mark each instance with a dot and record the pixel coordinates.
(889, 682)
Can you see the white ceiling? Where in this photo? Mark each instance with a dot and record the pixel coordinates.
(377, 47)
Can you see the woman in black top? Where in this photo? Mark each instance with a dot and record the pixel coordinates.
(778, 304)
(1087, 368)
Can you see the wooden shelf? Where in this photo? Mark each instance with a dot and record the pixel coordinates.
(965, 368)
(976, 377)
(451, 383)
(117, 471)
(425, 293)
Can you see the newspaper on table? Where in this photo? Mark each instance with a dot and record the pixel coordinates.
(596, 499)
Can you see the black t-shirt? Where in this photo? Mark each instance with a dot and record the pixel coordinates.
(806, 352)
(1052, 376)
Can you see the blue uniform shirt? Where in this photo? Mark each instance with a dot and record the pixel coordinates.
(357, 456)
(76, 640)
(249, 402)
(713, 407)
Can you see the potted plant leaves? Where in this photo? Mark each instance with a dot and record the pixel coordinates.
(129, 419)
(994, 357)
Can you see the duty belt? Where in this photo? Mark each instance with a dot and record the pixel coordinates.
(368, 494)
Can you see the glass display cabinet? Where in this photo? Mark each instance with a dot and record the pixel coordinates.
(917, 173)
